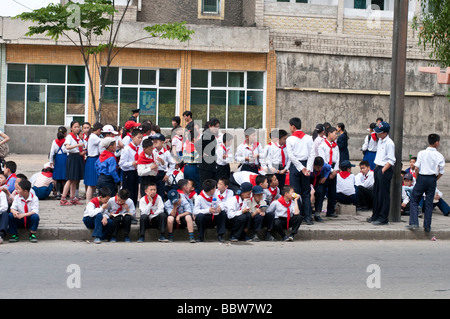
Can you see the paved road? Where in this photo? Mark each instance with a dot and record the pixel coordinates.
(303, 269)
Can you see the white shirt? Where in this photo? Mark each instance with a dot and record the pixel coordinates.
(365, 181)
(69, 142)
(92, 211)
(264, 159)
(430, 162)
(243, 176)
(55, 150)
(279, 210)
(385, 152)
(244, 150)
(116, 209)
(150, 209)
(19, 205)
(317, 142)
(93, 145)
(234, 206)
(301, 150)
(128, 157)
(345, 186)
(221, 150)
(4, 203)
(324, 152)
(268, 194)
(169, 162)
(369, 144)
(222, 198)
(275, 157)
(146, 169)
(177, 143)
(202, 206)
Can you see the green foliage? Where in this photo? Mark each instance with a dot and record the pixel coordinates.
(172, 31)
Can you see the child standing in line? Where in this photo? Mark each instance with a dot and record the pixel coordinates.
(106, 166)
(93, 152)
(249, 151)
(24, 212)
(74, 166)
(146, 166)
(224, 156)
(121, 209)
(153, 214)
(58, 160)
(370, 145)
(191, 159)
(165, 161)
(96, 215)
(279, 159)
(430, 166)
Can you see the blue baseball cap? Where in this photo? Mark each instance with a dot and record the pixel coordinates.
(346, 164)
(257, 190)
(382, 127)
(173, 196)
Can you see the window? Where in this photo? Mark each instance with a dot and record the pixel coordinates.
(210, 6)
(152, 91)
(236, 98)
(211, 9)
(45, 94)
(296, 1)
(374, 4)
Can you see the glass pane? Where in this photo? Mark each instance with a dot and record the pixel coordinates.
(199, 78)
(255, 102)
(255, 80)
(219, 79)
(112, 77)
(199, 105)
(36, 104)
(218, 105)
(360, 4)
(47, 73)
(55, 105)
(16, 72)
(301, 1)
(377, 5)
(283, 0)
(75, 100)
(128, 102)
(148, 77)
(75, 74)
(147, 105)
(15, 104)
(236, 108)
(130, 76)
(236, 79)
(109, 106)
(210, 6)
(168, 78)
(166, 110)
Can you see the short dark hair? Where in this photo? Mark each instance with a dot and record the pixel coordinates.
(187, 113)
(123, 194)
(249, 131)
(364, 163)
(176, 119)
(182, 182)
(433, 138)
(282, 133)
(147, 143)
(260, 179)
(97, 126)
(209, 184)
(318, 161)
(329, 130)
(227, 137)
(12, 166)
(225, 180)
(147, 185)
(269, 177)
(25, 184)
(297, 122)
(104, 192)
(21, 176)
(286, 189)
(136, 131)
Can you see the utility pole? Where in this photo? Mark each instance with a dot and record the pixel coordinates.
(397, 101)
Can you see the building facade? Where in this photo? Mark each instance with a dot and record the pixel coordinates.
(250, 63)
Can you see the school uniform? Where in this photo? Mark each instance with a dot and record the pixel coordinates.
(106, 166)
(93, 216)
(190, 198)
(279, 160)
(183, 207)
(271, 194)
(364, 184)
(120, 216)
(4, 216)
(93, 149)
(258, 222)
(237, 221)
(223, 164)
(241, 177)
(284, 216)
(431, 163)
(382, 184)
(163, 169)
(191, 160)
(222, 198)
(75, 161)
(11, 182)
(345, 188)
(42, 184)
(204, 219)
(369, 149)
(130, 177)
(320, 189)
(264, 159)
(23, 205)
(329, 151)
(177, 145)
(58, 158)
(251, 151)
(153, 215)
(300, 149)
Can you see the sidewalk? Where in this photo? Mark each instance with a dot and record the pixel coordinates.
(65, 222)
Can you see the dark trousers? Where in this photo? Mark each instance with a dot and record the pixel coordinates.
(204, 221)
(121, 220)
(238, 224)
(250, 167)
(223, 171)
(158, 180)
(382, 194)
(301, 185)
(130, 182)
(365, 197)
(346, 199)
(14, 223)
(330, 187)
(280, 224)
(4, 219)
(191, 173)
(96, 224)
(204, 175)
(281, 177)
(107, 181)
(159, 222)
(424, 184)
(258, 222)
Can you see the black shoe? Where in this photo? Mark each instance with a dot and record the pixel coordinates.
(317, 218)
(309, 221)
(412, 227)
(427, 229)
(369, 220)
(220, 238)
(331, 215)
(379, 223)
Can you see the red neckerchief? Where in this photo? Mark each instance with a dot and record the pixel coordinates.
(282, 201)
(105, 155)
(283, 156)
(136, 149)
(47, 174)
(374, 136)
(298, 134)
(25, 209)
(225, 149)
(120, 205)
(192, 194)
(344, 174)
(96, 202)
(144, 160)
(85, 137)
(189, 147)
(60, 142)
(273, 193)
(147, 201)
(209, 200)
(238, 199)
(222, 197)
(253, 179)
(331, 146)
(316, 176)
(77, 139)
(9, 177)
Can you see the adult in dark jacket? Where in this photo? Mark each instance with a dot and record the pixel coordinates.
(342, 142)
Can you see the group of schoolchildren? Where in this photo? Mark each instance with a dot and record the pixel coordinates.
(186, 179)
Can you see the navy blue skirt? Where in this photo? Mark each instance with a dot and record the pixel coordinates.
(59, 167)
(75, 167)
(90, 172)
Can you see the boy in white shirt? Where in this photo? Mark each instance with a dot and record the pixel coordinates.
(207, 213)
(272, 192)
(345, 184)
(238, 213)
(279, 162)
(24, 212)
(364, 181)
(121, 209)
(249, 151)
(146, 166)
(223, 193)
(224, 156)
(96, 215)
(153, 214)
(165, 161)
